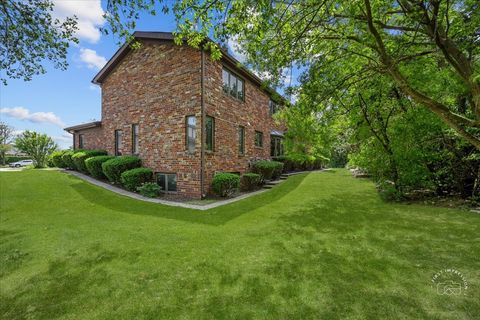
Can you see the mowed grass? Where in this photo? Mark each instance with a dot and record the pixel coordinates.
(319, 246)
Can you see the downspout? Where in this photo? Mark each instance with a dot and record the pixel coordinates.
(202, 131)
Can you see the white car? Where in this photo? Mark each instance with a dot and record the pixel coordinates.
(21, 163)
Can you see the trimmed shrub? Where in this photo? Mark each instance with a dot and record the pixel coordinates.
(56, 158)
(132, 179)
(114, 168)
(67, 159)
(250, 181)
(79, 158)
(94, 166)
(225, 184)
(149, 189)
(278, 169)
(268, 169)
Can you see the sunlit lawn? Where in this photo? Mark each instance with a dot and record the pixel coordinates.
(319, 246)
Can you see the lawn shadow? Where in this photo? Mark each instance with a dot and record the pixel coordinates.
(359, 248)
(215, 216)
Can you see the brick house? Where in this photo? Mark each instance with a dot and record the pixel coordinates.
(157, 99)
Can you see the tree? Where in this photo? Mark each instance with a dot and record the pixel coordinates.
(6, 135)
(29, 35)
(419, 45)
(36, 145)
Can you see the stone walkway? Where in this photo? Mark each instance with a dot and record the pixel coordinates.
(155, 200)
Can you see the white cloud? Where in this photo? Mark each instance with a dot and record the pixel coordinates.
(22, 113)
(92, 59)
(89, 14)
(63, 138)
(94, 88)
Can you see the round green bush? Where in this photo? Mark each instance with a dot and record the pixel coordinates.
(67, 159)
(149, 189)
(56, 158)
(268, 169)
(94, 166)
(134, 178)
(250, 181)
(114, 168)
(79, 158)
(225, 184)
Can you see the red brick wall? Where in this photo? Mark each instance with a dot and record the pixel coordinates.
(156, 87)
(229, 114)
(92, 138)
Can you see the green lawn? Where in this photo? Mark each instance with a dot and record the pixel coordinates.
(319, 246)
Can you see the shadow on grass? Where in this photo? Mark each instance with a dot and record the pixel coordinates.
(358, 248)
(215, 216)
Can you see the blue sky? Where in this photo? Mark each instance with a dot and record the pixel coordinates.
(57, 99)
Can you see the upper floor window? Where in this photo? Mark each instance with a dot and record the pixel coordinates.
(241, 140)
(118, 142)
(233, 84)
(135, 139)
(209, 133)
(190, 133)
(80, 141)
(273, 106)
(258, 139)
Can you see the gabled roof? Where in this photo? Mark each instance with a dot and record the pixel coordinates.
(84, 126)
(168, 36)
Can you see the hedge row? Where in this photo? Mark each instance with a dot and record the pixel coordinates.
(114, 168)
(94, 166)
(79, 158)
(301, 163)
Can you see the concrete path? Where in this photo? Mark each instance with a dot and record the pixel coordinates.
(156, 200)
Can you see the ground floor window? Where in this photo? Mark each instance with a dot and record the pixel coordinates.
(167, 182)
(118, 142)
(276, 146)
(80, 141)
(258, 139)
(241, 140)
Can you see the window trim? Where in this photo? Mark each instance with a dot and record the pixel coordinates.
(213, 134)
(118, 142)
(135, 150)
(261, 139)
(238, 77)
(187, 126)
(241, 140)
(166, 174)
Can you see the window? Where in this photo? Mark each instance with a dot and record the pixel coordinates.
(74, 146)
(274, 107)
(167, 182)
(258, 139)
(233, 84)
(276, 146)
(209, 133)
(80, 141)
(191, 122)
(135, 139)
(118, 142)
(241, 140)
